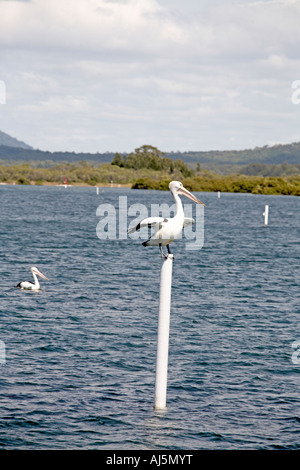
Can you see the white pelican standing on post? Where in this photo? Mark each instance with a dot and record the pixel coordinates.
(32, 285)
(167, 230)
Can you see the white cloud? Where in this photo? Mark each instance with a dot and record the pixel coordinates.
(201, 74)
(93, 25)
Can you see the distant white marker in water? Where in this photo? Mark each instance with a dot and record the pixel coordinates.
(266, 214)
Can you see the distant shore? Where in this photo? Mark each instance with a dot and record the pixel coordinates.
(47, 183)
(267, 187)
(114, 176)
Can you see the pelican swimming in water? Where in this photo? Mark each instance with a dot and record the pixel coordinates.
(167, 230)
(32, 285)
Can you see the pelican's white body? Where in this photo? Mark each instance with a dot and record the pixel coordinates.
(27, 285)
(168, 230)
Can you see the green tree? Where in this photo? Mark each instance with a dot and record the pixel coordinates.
(152, 158)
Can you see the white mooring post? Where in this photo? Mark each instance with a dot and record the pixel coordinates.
(97, 190)
(266, 214)
(163, 333)
(219, 194)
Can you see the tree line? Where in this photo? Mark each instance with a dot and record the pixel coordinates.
(151, 158)
(289, 186)
(148, 168)
(276, 154)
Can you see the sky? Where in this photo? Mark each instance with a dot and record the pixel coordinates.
(113, 75)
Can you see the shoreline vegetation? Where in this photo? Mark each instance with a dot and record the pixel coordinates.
(147, 168)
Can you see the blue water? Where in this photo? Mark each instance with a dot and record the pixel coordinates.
(79, 368)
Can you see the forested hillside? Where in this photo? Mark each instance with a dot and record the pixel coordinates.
(147, 168)
(9, 141)
(289, 153)
(150, 167)
(222, 161)
(12, 155)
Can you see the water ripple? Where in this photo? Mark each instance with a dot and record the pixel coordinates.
(80, 354)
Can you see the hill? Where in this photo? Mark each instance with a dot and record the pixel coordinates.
(14, 151)
(276, 160)
(12, 155)
(9, 141)
(276, 154)
(148, 168)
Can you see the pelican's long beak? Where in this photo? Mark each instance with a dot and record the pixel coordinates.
(42, 275)
(191, 196)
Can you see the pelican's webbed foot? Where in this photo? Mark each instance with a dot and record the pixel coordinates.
(164, 255)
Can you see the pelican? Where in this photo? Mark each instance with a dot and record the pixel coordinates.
(167, 230)
(30, 285)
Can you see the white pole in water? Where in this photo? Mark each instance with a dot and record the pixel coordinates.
(266, 214)
(219, 194)
(97, 190)
(163, 333)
